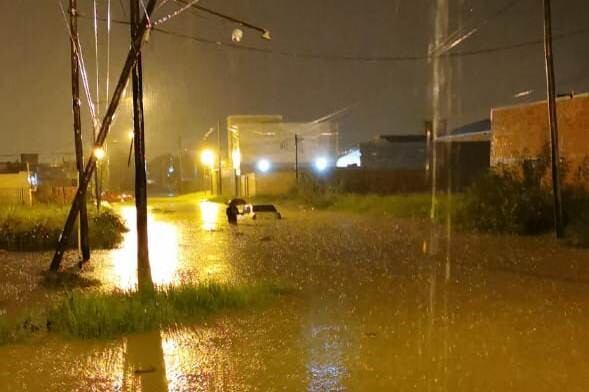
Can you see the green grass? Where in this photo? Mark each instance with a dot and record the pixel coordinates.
(38, 228)
(103, 315)
(416, 206)
(95, 315)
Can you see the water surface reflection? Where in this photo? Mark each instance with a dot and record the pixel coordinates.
(164, 245)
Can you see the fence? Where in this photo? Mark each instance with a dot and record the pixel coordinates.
(16, 196)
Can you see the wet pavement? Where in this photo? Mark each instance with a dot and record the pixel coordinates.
(371, 311)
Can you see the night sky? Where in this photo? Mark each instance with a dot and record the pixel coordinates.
(190, 85)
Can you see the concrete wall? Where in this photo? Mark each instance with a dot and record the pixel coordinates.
(521, 133)
(381, 181)
(276, 183)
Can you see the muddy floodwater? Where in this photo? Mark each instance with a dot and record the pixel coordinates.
(372, 310)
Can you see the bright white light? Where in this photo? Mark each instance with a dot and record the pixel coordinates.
(99, 153)
(263, 165)
(207, 158)
(353, 158)
(321, 164)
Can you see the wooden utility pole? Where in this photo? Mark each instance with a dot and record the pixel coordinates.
(65, 237)
(219, 163)
(553, 121)
(144, 280)
(79, 145)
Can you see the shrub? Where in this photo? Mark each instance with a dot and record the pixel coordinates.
(38, 228)
(521, 202)
(506, 203)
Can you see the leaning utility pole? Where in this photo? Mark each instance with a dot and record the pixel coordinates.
(75, 65)
(65, 237)
(144, 280)
(553, 121)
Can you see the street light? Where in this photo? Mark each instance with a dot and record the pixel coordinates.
(321, 164)
(99, 153)
(264, 165)
(207, 158)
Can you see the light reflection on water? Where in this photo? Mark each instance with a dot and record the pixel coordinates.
(164, 241)
(171, 257)
(210, 215)
(353, 326)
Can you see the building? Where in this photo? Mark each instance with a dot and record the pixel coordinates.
(264, 152)
(467, 151)
(520, 133)
(395, 152)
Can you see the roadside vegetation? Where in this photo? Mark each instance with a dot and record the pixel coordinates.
(38, 228)
(504, 201)
(94, 314)
(521, 202)
(311, 194)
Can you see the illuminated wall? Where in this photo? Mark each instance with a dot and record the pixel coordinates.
(521, 133)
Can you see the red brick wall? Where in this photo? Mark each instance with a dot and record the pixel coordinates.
(521, 132)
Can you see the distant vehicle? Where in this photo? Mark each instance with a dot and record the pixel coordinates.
(261, 211)
(114, 197)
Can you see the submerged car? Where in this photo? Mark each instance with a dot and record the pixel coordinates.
(261, 211)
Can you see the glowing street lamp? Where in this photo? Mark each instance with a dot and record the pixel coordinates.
(207, 158)
(321, 164)
(99, 153)
(263, 165)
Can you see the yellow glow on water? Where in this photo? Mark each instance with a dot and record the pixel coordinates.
(164, 241)
(210, 213)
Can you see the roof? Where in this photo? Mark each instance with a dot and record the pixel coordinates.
(479, 131)
(560, 98)
(403, 138)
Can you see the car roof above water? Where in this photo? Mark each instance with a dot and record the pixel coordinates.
(263, 208)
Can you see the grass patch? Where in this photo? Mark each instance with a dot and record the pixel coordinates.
(103, 315)
(38, 228)
(415, 206)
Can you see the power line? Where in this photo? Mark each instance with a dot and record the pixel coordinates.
(364, 59)
(350, 58)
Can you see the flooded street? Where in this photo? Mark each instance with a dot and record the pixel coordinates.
(370, 311)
